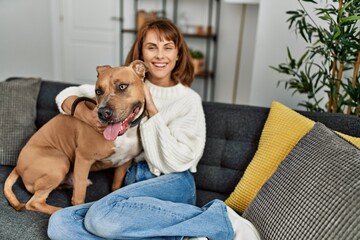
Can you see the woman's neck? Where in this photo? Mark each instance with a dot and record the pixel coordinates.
(162, 82)
(159, 92)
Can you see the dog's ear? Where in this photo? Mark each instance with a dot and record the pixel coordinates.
(140, 68)
(100, 69)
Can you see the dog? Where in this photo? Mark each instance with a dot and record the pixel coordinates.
(66, 144)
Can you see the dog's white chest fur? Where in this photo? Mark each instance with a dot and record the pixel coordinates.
(127, 147)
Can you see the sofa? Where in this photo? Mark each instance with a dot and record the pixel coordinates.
(232, 141)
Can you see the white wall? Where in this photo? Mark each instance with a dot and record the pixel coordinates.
(227, 49)
(236, 50)
(26, 47)
(272, 39)
(25, 42)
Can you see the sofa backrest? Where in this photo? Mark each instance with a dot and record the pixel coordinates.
(46, 106)
(232, 136)
(233, 133)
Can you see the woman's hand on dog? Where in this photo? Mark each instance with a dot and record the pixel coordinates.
(150, 105)
(84, 113)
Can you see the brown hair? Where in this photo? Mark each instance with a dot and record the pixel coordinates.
(183, 71)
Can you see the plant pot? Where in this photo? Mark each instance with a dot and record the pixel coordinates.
(143, 16)
(199, 66)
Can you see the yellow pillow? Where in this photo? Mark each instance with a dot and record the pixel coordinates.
(283, 128)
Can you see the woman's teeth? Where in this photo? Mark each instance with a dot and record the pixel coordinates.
(159, 65)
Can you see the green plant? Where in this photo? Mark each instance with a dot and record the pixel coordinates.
(330, 64)
(196, 54)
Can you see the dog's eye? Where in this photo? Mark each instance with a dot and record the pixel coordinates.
(98, 92)
(122, 87)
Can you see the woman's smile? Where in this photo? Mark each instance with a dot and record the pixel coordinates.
(161, 56)
(159, 65)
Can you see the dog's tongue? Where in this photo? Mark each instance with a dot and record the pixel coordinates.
(116, 129)
(113, 130)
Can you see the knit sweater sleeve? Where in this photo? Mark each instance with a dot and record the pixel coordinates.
(85, 90)
(174, 138)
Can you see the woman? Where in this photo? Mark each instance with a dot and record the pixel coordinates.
(157, 201)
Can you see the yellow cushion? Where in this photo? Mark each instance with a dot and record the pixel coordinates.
(284, 127)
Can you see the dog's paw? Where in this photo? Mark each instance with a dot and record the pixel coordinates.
(68, 181)
(89, 182)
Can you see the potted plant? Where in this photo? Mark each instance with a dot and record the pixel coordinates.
(198, 61)
(328, 70)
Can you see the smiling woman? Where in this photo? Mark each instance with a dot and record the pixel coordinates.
(172, 136)
(160, 55)
(163, 48)
(158, 200)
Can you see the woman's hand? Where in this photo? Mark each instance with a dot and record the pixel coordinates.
(84, 112)
(150, 105)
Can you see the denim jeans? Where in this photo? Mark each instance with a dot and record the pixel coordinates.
(148, 207)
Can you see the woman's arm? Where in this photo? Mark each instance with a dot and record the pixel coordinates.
(64, 104)
(65, 99)
(174, 138)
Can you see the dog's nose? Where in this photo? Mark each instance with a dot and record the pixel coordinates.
(105, 113)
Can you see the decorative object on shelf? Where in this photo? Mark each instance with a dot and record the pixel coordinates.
(200, 30)
(183, 23)
(331, 61)
(143, 16)
(198, 61)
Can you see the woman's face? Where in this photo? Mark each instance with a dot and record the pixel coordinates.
(160, 56)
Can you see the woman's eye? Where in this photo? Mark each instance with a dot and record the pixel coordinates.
(123, 86)
(169, 46)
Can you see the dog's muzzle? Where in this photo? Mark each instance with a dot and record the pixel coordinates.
(117, 128)
(105, 114)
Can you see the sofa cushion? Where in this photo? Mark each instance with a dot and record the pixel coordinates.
(232, 136)
(284, 127)
(17, 116)
(314, 193)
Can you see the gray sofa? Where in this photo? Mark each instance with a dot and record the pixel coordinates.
(233, 132)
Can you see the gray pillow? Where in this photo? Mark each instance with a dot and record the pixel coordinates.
(17, 116)
(314, 193)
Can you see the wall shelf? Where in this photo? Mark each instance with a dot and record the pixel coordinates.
(186, 35)
(243, 1)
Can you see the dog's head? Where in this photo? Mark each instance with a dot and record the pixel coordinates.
(120, 96)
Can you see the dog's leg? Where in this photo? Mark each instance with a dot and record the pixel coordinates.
(119, 175)
(45, 178)
(42, 188)
(82, 167)
(38, 202)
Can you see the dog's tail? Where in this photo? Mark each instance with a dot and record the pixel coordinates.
(8, 192)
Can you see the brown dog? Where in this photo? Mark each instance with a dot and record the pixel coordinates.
(66, 142)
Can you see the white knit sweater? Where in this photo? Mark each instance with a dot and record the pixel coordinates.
(174, 138)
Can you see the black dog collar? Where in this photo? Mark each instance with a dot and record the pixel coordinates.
(138, 120)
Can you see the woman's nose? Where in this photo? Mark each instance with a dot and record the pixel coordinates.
(159, 54)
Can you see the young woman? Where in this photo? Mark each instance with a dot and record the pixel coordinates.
(157, 201)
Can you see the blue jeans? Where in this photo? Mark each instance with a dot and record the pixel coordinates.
(150, 208)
